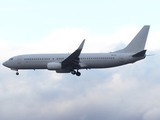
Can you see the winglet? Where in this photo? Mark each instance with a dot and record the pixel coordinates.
(81, 45)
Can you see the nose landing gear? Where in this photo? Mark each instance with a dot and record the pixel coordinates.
(17, 73)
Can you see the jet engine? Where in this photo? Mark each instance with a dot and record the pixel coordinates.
(54, 66)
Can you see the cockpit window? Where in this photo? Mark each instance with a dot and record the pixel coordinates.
(11, 59)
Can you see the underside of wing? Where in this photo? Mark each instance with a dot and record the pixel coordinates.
(72, 61)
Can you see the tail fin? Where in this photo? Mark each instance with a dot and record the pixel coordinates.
(138, 42)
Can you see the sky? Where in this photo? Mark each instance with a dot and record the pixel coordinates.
(48, 26)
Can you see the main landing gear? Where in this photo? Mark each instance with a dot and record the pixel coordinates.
(76, 73)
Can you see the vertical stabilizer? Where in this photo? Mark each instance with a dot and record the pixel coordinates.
(138, 42)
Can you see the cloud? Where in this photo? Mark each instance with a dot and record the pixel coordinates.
(152, 41)
(68, 39)
(152, 114)
(127, 92)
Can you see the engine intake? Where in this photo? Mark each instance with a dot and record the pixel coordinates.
(54, 66)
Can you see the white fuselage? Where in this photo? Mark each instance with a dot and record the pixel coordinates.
(87, 60)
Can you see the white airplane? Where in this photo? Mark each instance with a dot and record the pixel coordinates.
(72, 63)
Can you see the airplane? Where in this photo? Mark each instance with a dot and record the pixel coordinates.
(72, 63)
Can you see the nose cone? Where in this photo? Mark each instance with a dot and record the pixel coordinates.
(5, 64)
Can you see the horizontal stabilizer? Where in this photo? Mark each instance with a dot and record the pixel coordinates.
(140, 54)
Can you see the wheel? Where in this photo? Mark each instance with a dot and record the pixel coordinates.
(17, 73)
(78, 74)
(73, 72)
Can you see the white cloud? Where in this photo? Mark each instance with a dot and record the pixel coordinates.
(128, 92)
(67, 40)
(153, 40)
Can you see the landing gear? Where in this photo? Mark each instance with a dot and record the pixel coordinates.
(17, 73)
(76, 73)
(73, 72)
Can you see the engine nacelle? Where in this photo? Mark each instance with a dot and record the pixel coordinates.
(54, 66)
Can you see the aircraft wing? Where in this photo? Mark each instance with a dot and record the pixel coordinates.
(72, 61)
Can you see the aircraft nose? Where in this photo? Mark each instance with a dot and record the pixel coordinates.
(5, 64)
